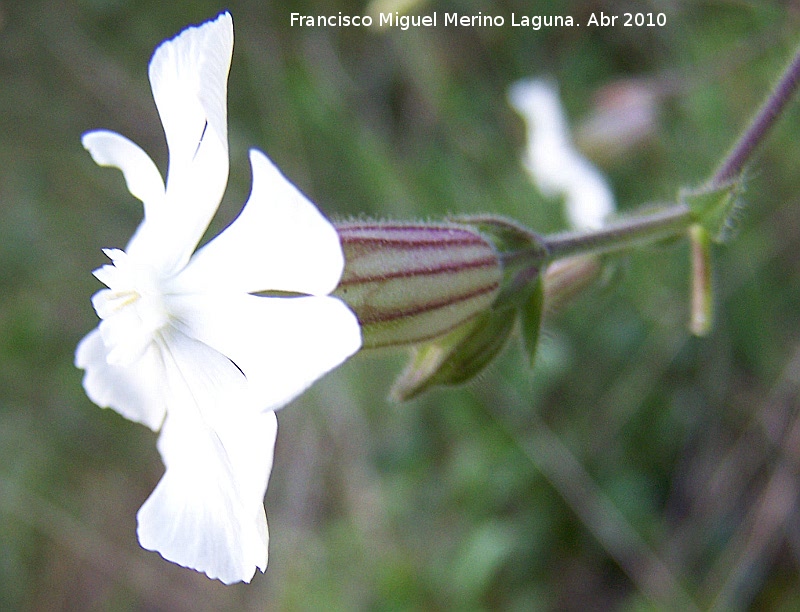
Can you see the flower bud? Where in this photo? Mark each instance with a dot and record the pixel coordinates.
(566, 278)
(409, 283)
(702, 312)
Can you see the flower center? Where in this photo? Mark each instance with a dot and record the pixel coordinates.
(132, 308)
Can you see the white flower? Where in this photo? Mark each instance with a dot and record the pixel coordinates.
(552, 161)
(185, 344)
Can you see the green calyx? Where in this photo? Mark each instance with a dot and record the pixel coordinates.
(464, 352)
(456, 357)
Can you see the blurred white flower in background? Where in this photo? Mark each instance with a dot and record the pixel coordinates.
(623, 117)
(555, 166)
(186, 344)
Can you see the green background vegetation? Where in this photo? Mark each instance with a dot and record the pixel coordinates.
(634, 468)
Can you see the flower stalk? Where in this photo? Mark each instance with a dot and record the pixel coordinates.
(733, 165)
(633, 231)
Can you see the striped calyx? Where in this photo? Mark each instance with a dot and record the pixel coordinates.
(451, 291)
(411, 283)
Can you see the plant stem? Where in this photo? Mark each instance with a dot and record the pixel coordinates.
(630, 232)
(764, 119)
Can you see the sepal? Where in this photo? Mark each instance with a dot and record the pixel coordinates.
(506, 235)
(530, 318)
(522, 253)
(456, 357)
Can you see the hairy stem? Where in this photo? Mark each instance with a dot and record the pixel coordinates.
(633, 231)
(764, 119)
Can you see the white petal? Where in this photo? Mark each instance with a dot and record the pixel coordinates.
(281, 344)
(135, 391)
(280, 241)
(189, 76)
(141, 174)
(198, 516)
(207, 512)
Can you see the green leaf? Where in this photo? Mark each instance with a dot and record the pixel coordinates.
(530, 317)
(457, 357)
